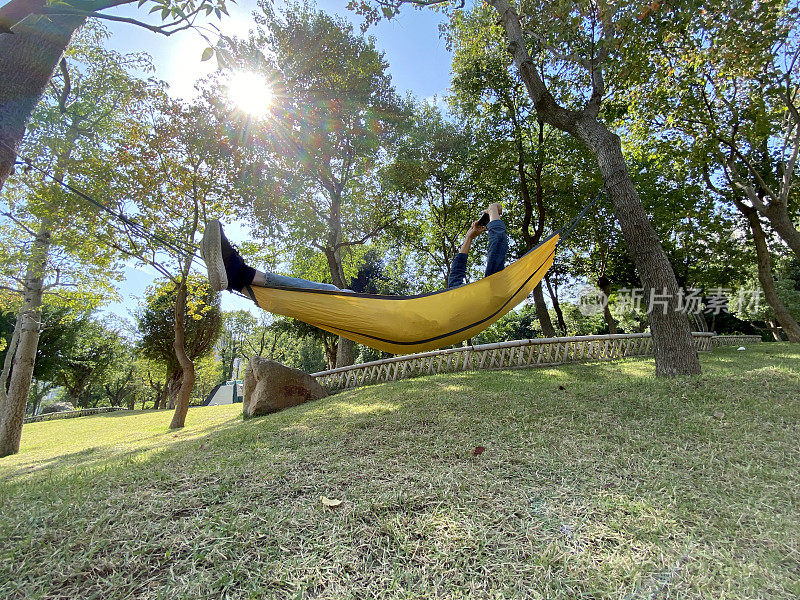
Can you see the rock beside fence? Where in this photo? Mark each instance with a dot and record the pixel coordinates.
(270, 386)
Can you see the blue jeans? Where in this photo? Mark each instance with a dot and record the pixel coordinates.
(495, 261)
(495, 256)
(275, 280)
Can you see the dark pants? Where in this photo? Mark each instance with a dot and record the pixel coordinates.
(495, 257)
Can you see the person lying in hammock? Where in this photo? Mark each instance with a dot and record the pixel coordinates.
(228, 271)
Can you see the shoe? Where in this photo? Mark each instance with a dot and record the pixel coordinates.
(217, 251)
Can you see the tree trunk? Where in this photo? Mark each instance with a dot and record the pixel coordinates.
(7, 364)
(764, 262)
(161, 397)
(22, 370)
(673, 345)
(562, 325)
(346, 349)
(330, 345)
(187, 366)
(346, 352)
(28, 58)
(172, 388)
(605, 286)
(781, 222)
(542, 313)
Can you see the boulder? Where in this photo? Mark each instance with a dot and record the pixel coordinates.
(270, 386)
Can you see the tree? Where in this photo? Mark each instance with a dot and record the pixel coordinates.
(731, 72)
(431, 167)
(513, 143)
(585, 44)
(330, 128)
(66, 241)
(97, 347)
(177, 164)
(237, 327)
(58, 333)
(202, 321)
(738, 100)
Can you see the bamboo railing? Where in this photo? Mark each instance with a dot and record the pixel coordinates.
(71, 414)
(735, 340)
(516, 354)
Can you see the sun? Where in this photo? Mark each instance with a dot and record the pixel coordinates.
(250, 92)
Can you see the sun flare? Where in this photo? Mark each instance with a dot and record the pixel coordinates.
(250, 92)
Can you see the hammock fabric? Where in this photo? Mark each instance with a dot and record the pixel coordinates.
(400, 324)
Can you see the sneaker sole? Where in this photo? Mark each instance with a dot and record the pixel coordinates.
(211, 249)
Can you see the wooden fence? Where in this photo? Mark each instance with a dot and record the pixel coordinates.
(504, 355)
(69, 414)
(735, 340)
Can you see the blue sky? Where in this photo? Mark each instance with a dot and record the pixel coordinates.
(418, 61)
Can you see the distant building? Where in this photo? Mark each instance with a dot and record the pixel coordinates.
(229, 392)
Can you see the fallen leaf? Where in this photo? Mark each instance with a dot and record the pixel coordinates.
(202, 446)
(478, 450)
(330, 503)
(719, 415)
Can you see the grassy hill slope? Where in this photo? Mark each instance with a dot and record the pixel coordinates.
(597, 481)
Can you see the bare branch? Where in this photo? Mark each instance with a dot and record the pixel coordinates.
(365, 237)
(19, 223)
(168, 29)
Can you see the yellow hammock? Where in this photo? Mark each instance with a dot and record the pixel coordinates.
(405, 324)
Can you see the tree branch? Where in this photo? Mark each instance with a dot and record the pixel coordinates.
(185, 22)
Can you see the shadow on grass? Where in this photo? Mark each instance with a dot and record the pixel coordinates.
(130, 447)
(401, 404)
(597, 490)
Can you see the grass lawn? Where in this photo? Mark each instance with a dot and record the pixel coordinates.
(597, 481)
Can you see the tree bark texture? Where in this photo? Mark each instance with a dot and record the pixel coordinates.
(562, 325)
(7, 363)
(605, 286)
(28, 58)
(187, 366)
(542, 313)
(778, 216)
(764, 262)
(673, 346)
(22, 367)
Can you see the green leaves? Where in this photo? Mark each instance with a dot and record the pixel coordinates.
(156, 317)
(330, 132)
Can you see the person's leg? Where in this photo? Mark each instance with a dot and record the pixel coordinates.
(228, 271)
(275, 280)
(458, 271)
(498, 242)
